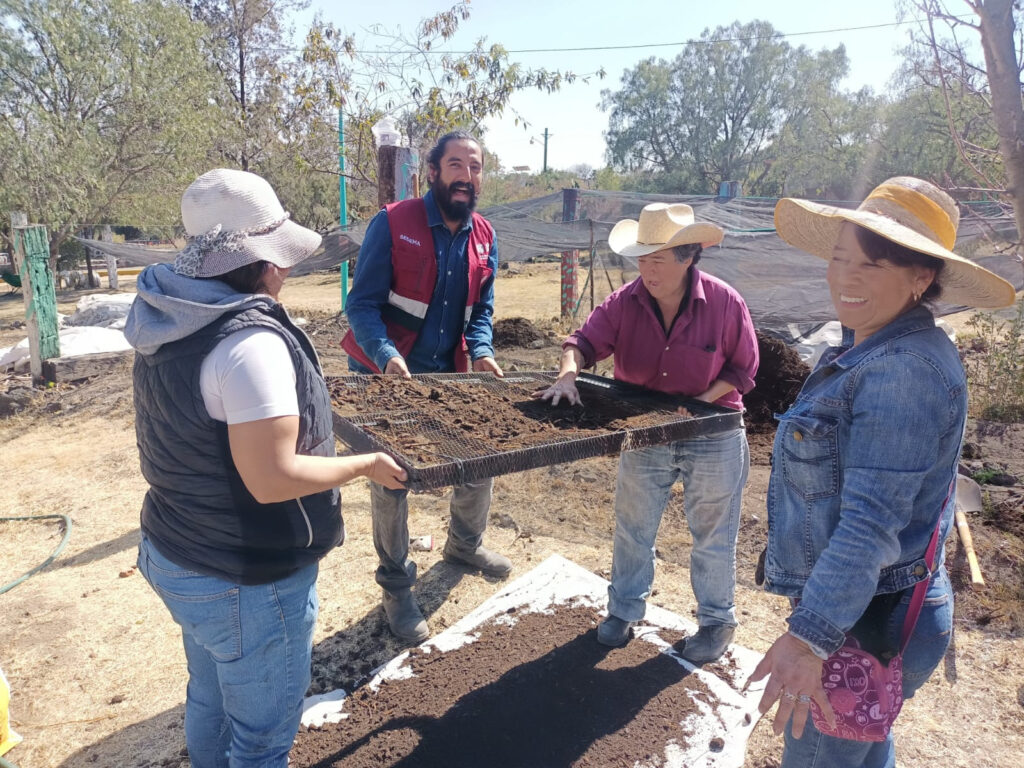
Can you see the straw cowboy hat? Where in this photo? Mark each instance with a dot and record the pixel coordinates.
(233, 218)
(907, 211)
(661, 226)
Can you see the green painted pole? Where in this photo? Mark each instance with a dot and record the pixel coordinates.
(342, 204)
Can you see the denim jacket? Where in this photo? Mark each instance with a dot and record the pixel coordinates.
(862, 466)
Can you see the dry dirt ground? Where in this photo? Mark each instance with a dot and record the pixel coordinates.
(96, 666)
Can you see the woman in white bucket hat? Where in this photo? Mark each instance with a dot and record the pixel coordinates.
(234, 428)
(864, 462)
(678, 330)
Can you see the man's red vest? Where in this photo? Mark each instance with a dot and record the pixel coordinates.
(414, 275)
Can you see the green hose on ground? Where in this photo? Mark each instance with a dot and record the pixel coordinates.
(46, 562)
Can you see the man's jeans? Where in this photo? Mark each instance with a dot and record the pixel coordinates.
(713, 470)
(927, 646)
(248, 650)
(390, 511)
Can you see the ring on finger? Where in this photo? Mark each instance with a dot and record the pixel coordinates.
(803, 698)
(790, 696)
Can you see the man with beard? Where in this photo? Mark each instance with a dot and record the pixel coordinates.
(421, 302)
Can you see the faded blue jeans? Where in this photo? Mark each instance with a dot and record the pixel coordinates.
(248, 650)
(927, 646)
(713, 470)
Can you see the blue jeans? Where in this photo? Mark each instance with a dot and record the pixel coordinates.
(248, 650)
(927, 646)
(713, 470)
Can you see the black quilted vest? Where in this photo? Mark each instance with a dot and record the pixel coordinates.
(197, 511)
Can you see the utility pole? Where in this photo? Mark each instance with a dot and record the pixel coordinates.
(545, 151)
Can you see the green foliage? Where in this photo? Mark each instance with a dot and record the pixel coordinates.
(996, 374)
(105, 111)
(247, 43)
(984, 476)
(69, 254)
(738, 104)
(940, 126)
(504, 187)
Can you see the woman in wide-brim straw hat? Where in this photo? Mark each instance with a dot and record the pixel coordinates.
(235, 438)
(678, 330)
(864, 462)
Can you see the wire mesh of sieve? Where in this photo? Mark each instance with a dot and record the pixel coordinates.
(449, 429)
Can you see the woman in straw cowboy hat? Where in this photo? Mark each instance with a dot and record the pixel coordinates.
(235, 438)
(865, 460)
(681, 331)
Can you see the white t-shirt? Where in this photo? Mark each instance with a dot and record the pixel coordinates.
(249, 376)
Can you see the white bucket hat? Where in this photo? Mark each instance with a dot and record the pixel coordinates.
(233, 218)
(661, 226)
(910, 212)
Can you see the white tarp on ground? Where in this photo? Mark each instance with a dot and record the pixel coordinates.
(94, 326)
(558, 581)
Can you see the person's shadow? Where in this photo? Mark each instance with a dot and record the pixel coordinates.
(345, 659)
(542, 714)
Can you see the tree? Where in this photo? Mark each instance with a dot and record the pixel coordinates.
(248, 43)
(104, 111)
(429, 92)
(714, 112)
(915, 137)
(997, 27)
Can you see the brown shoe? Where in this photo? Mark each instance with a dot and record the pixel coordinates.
(483, 559)
(404, 617)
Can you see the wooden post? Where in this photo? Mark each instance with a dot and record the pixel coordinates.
(387, 157)
(32, 257)
(88, 259)
(593, 258)
(570, 259)
(108, 237)
(397, 174)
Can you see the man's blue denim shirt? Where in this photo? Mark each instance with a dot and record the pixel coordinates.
(862, 468)
(444, 324)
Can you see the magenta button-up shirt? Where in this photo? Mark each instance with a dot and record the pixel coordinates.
(712, 339)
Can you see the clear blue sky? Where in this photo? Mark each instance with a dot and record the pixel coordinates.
(572, 116)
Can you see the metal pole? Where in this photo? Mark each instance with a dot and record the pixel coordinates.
(342, 204)
(545, 151)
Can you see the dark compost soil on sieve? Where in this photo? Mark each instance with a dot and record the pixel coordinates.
(422, 420)
(541, 692)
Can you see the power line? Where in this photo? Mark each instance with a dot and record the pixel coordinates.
(638, 46)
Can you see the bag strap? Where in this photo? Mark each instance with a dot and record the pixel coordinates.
(917, 600)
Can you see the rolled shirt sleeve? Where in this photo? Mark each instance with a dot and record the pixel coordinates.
(742, 356)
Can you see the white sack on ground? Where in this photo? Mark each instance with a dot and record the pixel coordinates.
(103, 310)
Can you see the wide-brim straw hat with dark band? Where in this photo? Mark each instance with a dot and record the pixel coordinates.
(233, 218)
(908, 211)
(661, 226)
